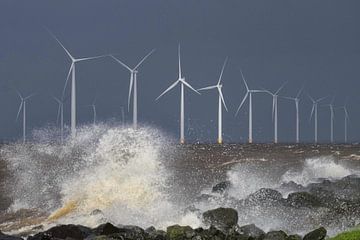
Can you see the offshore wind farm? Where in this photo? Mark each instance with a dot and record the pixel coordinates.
(201, 121)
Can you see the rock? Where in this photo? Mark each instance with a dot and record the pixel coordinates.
(221, 187)
(130, 232)
(177, 232)
(264, 195)
(155, 234)
(317, 234)
(291, 186)
(275, 235)
(221, 218)
(294, 237)
(63, 231)
(303, 199)
(211, 233)
(106, 229)
(252, 231)
(8, 237)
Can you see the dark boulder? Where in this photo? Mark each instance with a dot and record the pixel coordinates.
(8, 237)
(264, 196)
(252, 231)
(317, 234)
(211, 233)
(62, 232)
(291, 186)
(177, 232)
(275, 235)
(106, 229)
(221, 187)
(154, 234)
(222, 218)
(303, 199)
(294, 237)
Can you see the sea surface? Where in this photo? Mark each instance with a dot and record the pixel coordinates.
(143, 177)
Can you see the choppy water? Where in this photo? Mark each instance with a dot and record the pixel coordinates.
(143, 178)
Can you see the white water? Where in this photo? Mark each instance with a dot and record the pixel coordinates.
(117, 170)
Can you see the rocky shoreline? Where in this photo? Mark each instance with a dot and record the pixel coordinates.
(221, 224)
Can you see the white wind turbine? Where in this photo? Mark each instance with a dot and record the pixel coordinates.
(275, 97)
(297, 101)
(218, 86)
(73, 82)
(60, 115)
(346, 120)
(314, 111)
(133, 84)
(332, 118)
(248, 94)
(23, 108)
(183, 83)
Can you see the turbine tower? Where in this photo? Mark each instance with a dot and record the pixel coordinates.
(297, 100)
(23, 108)
(183, 83)
(93, 107)
(314, 111)
(73, 82)
(275, 111)
(248, 94)
(60, 115)
(218, 86)
(133, 84)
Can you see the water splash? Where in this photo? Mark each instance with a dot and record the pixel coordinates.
(314, 169)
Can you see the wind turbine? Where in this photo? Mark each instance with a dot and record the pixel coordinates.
(297, 100)
(218, 86)
(183, 83)
(61, 115)
(248, 94)
(314, 110)
(332, 117)
(93, 106)
(275, 110)
(133, 84)
(73, 82)
(346, 120)
(23, 108)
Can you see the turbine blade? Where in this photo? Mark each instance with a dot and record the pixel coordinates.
(168, 89)
(222, 70)
(58, 113)
(312, 111)
(130, 89)
(179, 62)
(273, 109)
(222, 99)
(320, 99)
(144, 58)
(18, 114)
(123, 64)
(242, 102)
(281, 87)
(67, 79)
(189, 86)
(300, 91)
(261, 91)
(289, 98)
(67, 52)
(30, 96)
(242, 75)
(207, 88)
(313, 100)
(90, 58)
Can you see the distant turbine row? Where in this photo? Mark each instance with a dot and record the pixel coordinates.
(183, 83)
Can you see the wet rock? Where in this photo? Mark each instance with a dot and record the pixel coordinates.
(8, 237)
(317, 234)
(154, 234)
(252, 231)
(211, 233)
(221, 218)
(177, 232)
(130, 232)
(294, 237)
(106, 229)
(291, 186)
(265, 195)
(303, 199)
(62, 232)
(221, 187)
(275, 235)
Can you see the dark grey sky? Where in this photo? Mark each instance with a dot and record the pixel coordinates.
(272, 41)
